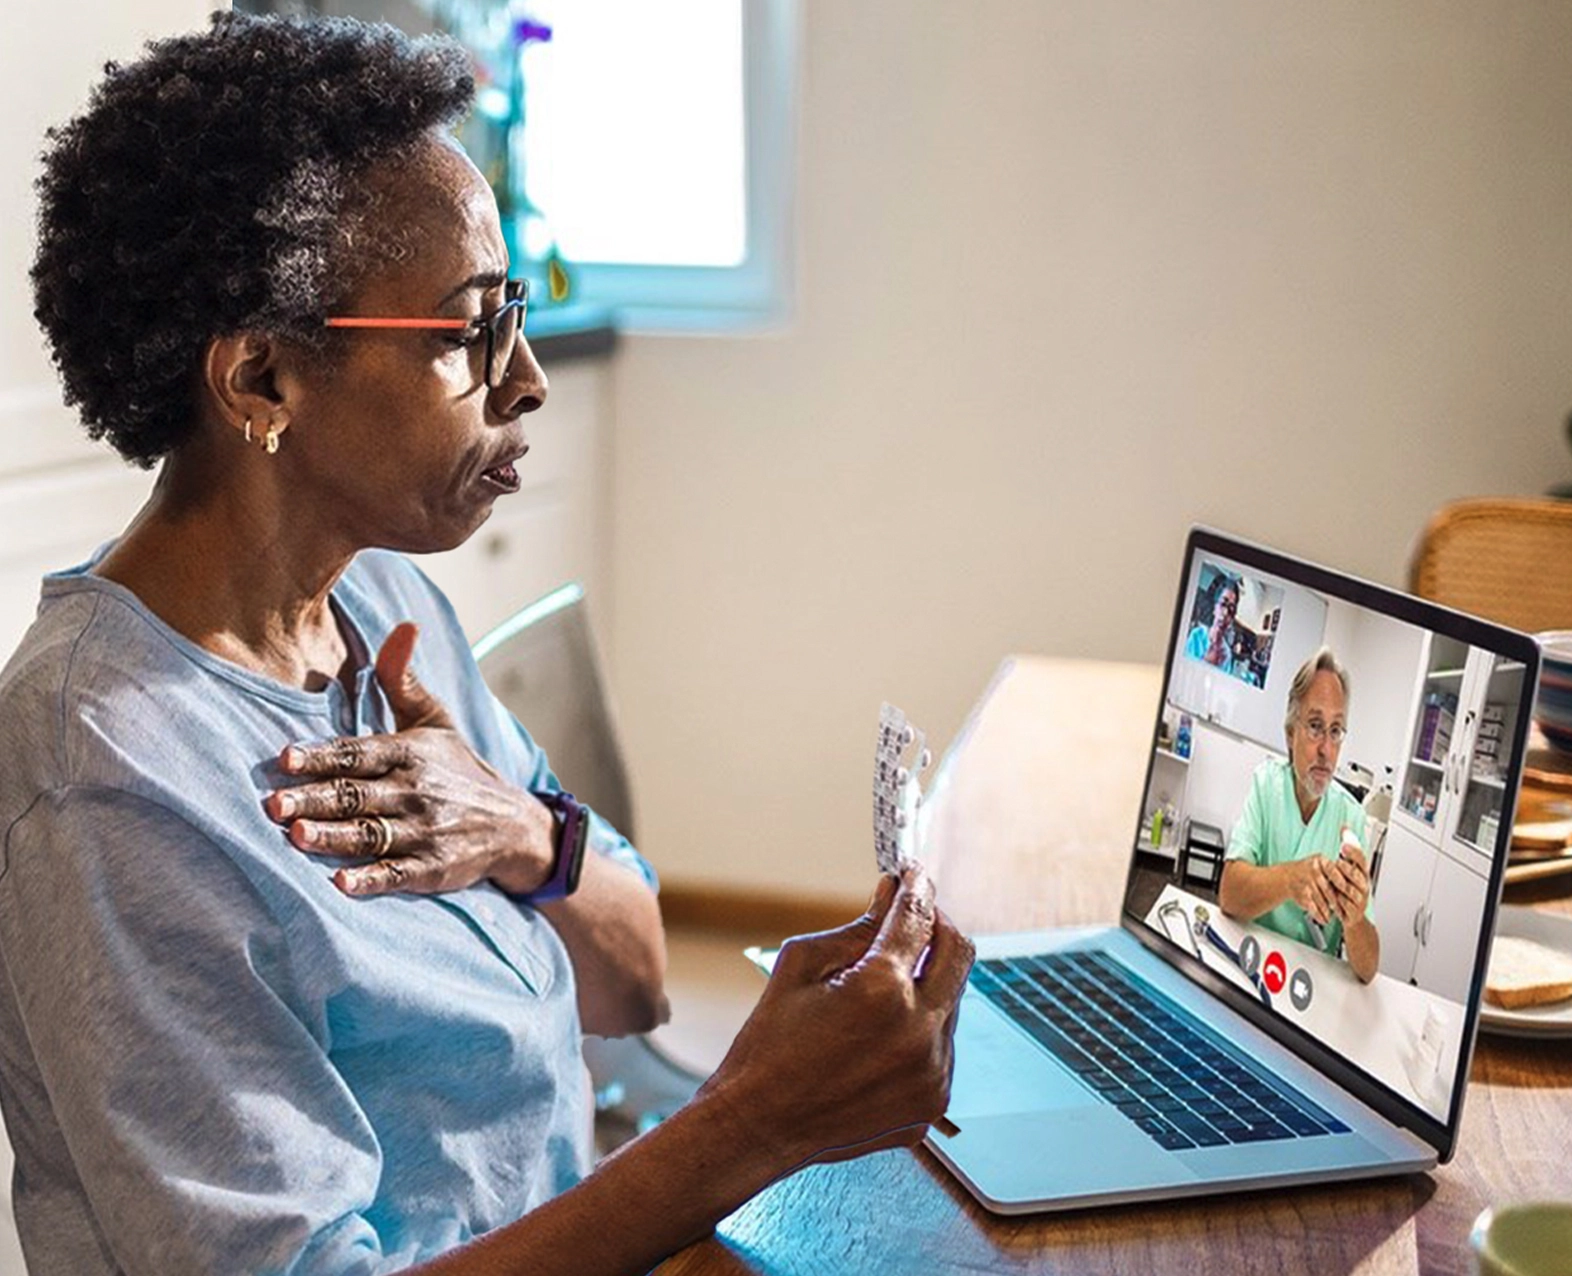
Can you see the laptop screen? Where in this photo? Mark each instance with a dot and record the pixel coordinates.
(1328, 807)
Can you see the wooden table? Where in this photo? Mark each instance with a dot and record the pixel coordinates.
(1044, 787)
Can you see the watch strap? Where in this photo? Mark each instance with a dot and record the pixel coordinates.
(571, 819)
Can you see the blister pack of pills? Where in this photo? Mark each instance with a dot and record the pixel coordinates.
(899, 761)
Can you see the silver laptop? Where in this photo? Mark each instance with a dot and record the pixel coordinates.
(1185, 1050)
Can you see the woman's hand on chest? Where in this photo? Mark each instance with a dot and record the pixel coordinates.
(430, 813)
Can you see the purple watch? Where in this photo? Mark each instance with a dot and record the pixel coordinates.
(572, 825)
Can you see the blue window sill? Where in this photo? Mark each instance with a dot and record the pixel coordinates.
(558, 334)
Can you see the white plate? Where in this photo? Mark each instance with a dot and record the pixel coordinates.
(1554, 930)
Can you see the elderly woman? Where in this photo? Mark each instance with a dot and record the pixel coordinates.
(298, 930)
(1213, 641)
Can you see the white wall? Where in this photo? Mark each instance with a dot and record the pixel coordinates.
(1221, 767)
(1384, 658)
(1073, 276)
(59, 493)
(46, 68)
(51, 478)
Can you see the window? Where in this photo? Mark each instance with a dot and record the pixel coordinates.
(657, 150)
(666, 132)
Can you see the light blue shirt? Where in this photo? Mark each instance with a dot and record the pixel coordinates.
(1271, 830)
(211, 1060)
(1199, 644)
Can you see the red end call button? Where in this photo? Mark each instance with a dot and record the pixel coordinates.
(1274, 972)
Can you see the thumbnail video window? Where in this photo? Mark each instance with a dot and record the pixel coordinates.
(1233, 621)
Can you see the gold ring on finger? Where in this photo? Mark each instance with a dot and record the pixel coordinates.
(378, 833)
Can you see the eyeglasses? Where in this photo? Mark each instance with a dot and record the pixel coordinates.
(501, 328)
(1318, 731)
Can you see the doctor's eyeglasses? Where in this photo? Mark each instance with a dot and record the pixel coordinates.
(501, 327)
(1318, 731)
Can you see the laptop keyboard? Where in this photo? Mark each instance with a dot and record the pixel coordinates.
(1178, 1080)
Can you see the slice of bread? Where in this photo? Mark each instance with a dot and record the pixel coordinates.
(1542, 835)
(1525, 973)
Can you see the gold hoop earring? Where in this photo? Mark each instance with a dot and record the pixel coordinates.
(248, 431)
(270, 439)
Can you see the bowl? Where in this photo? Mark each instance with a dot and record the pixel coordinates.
(1553, 704)
(1530, 1238)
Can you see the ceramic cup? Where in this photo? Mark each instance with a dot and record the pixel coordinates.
(1553, 704)
(1533, 1239)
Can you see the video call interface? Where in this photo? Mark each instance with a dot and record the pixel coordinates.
(1322, 813)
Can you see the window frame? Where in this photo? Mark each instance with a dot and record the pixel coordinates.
(757, 293)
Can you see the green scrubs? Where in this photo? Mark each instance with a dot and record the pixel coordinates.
(1271, 831)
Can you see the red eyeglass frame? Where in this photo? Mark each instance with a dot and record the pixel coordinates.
(515, 297)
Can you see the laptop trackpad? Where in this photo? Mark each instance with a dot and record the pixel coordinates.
(1038, 1158)
(999, 1070)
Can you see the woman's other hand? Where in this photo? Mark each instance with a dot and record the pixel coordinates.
(850, 1049)
(433, 815)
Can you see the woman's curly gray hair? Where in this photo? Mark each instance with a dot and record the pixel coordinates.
(212, 186)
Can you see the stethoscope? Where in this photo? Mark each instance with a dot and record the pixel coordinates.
(1202, 929)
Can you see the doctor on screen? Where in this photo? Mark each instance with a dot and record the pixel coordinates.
(1295, 863)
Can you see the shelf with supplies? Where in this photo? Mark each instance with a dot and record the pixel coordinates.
(1170, 837)
(1464, 714)
(1163, 813)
